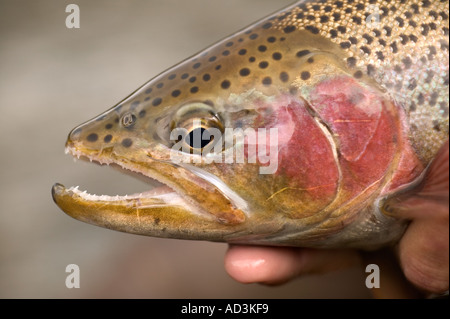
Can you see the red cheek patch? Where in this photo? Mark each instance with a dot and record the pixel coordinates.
(366, 131)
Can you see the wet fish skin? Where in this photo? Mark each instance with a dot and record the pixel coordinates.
(362, 109)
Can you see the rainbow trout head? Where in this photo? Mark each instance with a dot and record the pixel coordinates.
(277, 135)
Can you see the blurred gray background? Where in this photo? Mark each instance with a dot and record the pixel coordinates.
(52, 79)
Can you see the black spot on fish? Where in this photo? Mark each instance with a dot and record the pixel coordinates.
(194, 89)
(312, 29)
(436, 126)
(157, 101)
(172, 77)
(353, 40)
(277, 56)
(345, 45)
(193, 79)
(388, 30)
(159, 85)
(263, 64)
(185, 76)
(206, 77)
(142, 113)
(267, 81)
(284, 76)
(300, 16)
(252, 59)
(225, 84)
(405, 39)
(242, 52)
(197, 65)
(93, 137)
(148, 91)
(358, 74)
(310, 60)
(413, 38)
(342, 29)
(400, 21)
(108, 126)
(127, 142)
(412, 23)
(229, 44)
(107, 138)
(370, 69)
(289, 29)
(444, 15)
(380, 55)
(226, 53)
(336, 16)
(412, 84)
(176, 93)
(394, 47)
(244, 72)
(254, 36)
(366, 50)
(415, 8)
(303, 53)
(262, 48)
(305, 75)
(368, 38)
(433, 98)
(420, 99)
(324, 19)
(333, 33)
(351, 62)
(430, 75)
(357, 20)
(271, 39)
(267, 25)
(425, 29)
(212, 59)
(413, 107)
(426, 3)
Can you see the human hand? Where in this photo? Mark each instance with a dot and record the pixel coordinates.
(422, 253)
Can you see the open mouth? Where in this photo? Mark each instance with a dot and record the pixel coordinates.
(159, 194)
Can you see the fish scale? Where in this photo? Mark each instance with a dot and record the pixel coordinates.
(358, 91)
(418, 79)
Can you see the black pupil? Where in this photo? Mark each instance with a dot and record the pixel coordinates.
(196, 140)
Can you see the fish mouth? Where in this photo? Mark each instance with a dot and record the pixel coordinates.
(162, 211)
(160, 195)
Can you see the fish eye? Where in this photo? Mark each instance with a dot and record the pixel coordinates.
(203, 127)
(128, 120)
(197, 139)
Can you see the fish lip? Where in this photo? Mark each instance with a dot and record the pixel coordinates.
(96, 157)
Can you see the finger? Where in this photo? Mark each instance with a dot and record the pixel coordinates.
(424, 254)
(393, 284)
(277, 265)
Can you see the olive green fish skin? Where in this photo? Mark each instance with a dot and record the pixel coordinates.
(396, 53)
